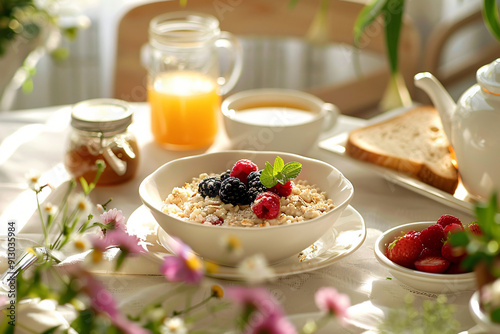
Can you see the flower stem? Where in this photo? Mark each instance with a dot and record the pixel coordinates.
(191, 308)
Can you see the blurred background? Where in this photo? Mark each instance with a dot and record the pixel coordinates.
(88, 71)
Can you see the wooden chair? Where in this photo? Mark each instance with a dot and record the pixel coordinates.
(452, 70)
(275, 19)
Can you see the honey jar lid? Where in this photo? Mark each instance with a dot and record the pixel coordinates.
(101, 115)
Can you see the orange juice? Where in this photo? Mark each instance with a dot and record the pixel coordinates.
(184, 109)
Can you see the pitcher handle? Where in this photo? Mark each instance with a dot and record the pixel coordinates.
(229, 42)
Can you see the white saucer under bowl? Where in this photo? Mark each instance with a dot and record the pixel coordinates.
(345, 237)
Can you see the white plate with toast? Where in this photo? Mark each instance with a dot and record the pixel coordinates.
(459, 199)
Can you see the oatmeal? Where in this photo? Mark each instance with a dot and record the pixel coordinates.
(304, 201)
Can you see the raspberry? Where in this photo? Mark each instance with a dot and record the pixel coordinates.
(266, 205)
(209, 186)
(212, 219)
(405, 250)
(232, 191)
(242, 168)
(447, 220)
(283, 190)
(432, 236)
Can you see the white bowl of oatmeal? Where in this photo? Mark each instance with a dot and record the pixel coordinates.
(320, 187)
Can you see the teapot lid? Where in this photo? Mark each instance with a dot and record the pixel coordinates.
(488, 77)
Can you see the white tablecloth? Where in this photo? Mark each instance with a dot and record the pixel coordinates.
(35, 139)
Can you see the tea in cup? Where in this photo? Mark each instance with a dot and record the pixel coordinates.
(276, 119)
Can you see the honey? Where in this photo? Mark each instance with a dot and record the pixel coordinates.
(100, 132)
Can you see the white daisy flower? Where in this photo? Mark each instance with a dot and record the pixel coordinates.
(33, 177)
(255, 269)
(173, 325)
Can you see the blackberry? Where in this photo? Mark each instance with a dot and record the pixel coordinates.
(253, 177)
(255, 185)
(209, 186)
(232, 191)
(225, 175)
(252, 193)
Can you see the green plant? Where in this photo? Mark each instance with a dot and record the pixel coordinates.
(434, 317)
(483, 248)
(392, 13)
(31, 22)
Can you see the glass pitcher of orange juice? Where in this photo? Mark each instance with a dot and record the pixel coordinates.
(184, 81)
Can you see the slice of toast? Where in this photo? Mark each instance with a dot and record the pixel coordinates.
(413, 143)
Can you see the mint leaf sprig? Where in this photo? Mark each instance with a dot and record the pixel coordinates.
(280, 172)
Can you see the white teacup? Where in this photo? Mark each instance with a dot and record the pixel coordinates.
(276, 120)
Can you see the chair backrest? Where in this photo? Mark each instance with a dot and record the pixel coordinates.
(465, 30)
(250, 20)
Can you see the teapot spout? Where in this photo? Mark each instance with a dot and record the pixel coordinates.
(440, 98)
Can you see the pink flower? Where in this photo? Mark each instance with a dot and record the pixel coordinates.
(271, 323)
(114, 217)
(101, 299)
(256, 299)
(330, 300)
(127, 326)
(118, 238)
(184, 266)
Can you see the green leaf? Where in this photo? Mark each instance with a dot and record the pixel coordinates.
(292, 4)
(459, 239)
(491, 18)
(83, 322)
(28, 86)
(393, 18)
(292, 169)
(85, 185)
(280, 172)
(279, 164)
(121, 258)
(51, 330)
(366, 17)
(267, 176)
(495, 315)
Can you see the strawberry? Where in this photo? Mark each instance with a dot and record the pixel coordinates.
(474, 229)
(429, 252)
(432, 236)
(432, 264)
(452, 228)
(453, 254)
(405, 250)
(455, 268)
(447, 220)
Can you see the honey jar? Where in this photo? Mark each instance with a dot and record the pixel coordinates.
(100, 132)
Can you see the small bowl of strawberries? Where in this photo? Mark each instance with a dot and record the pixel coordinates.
(420, 255)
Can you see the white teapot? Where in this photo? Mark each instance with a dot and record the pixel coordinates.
(472, 126)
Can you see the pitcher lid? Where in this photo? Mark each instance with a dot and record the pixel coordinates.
(488, 77)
